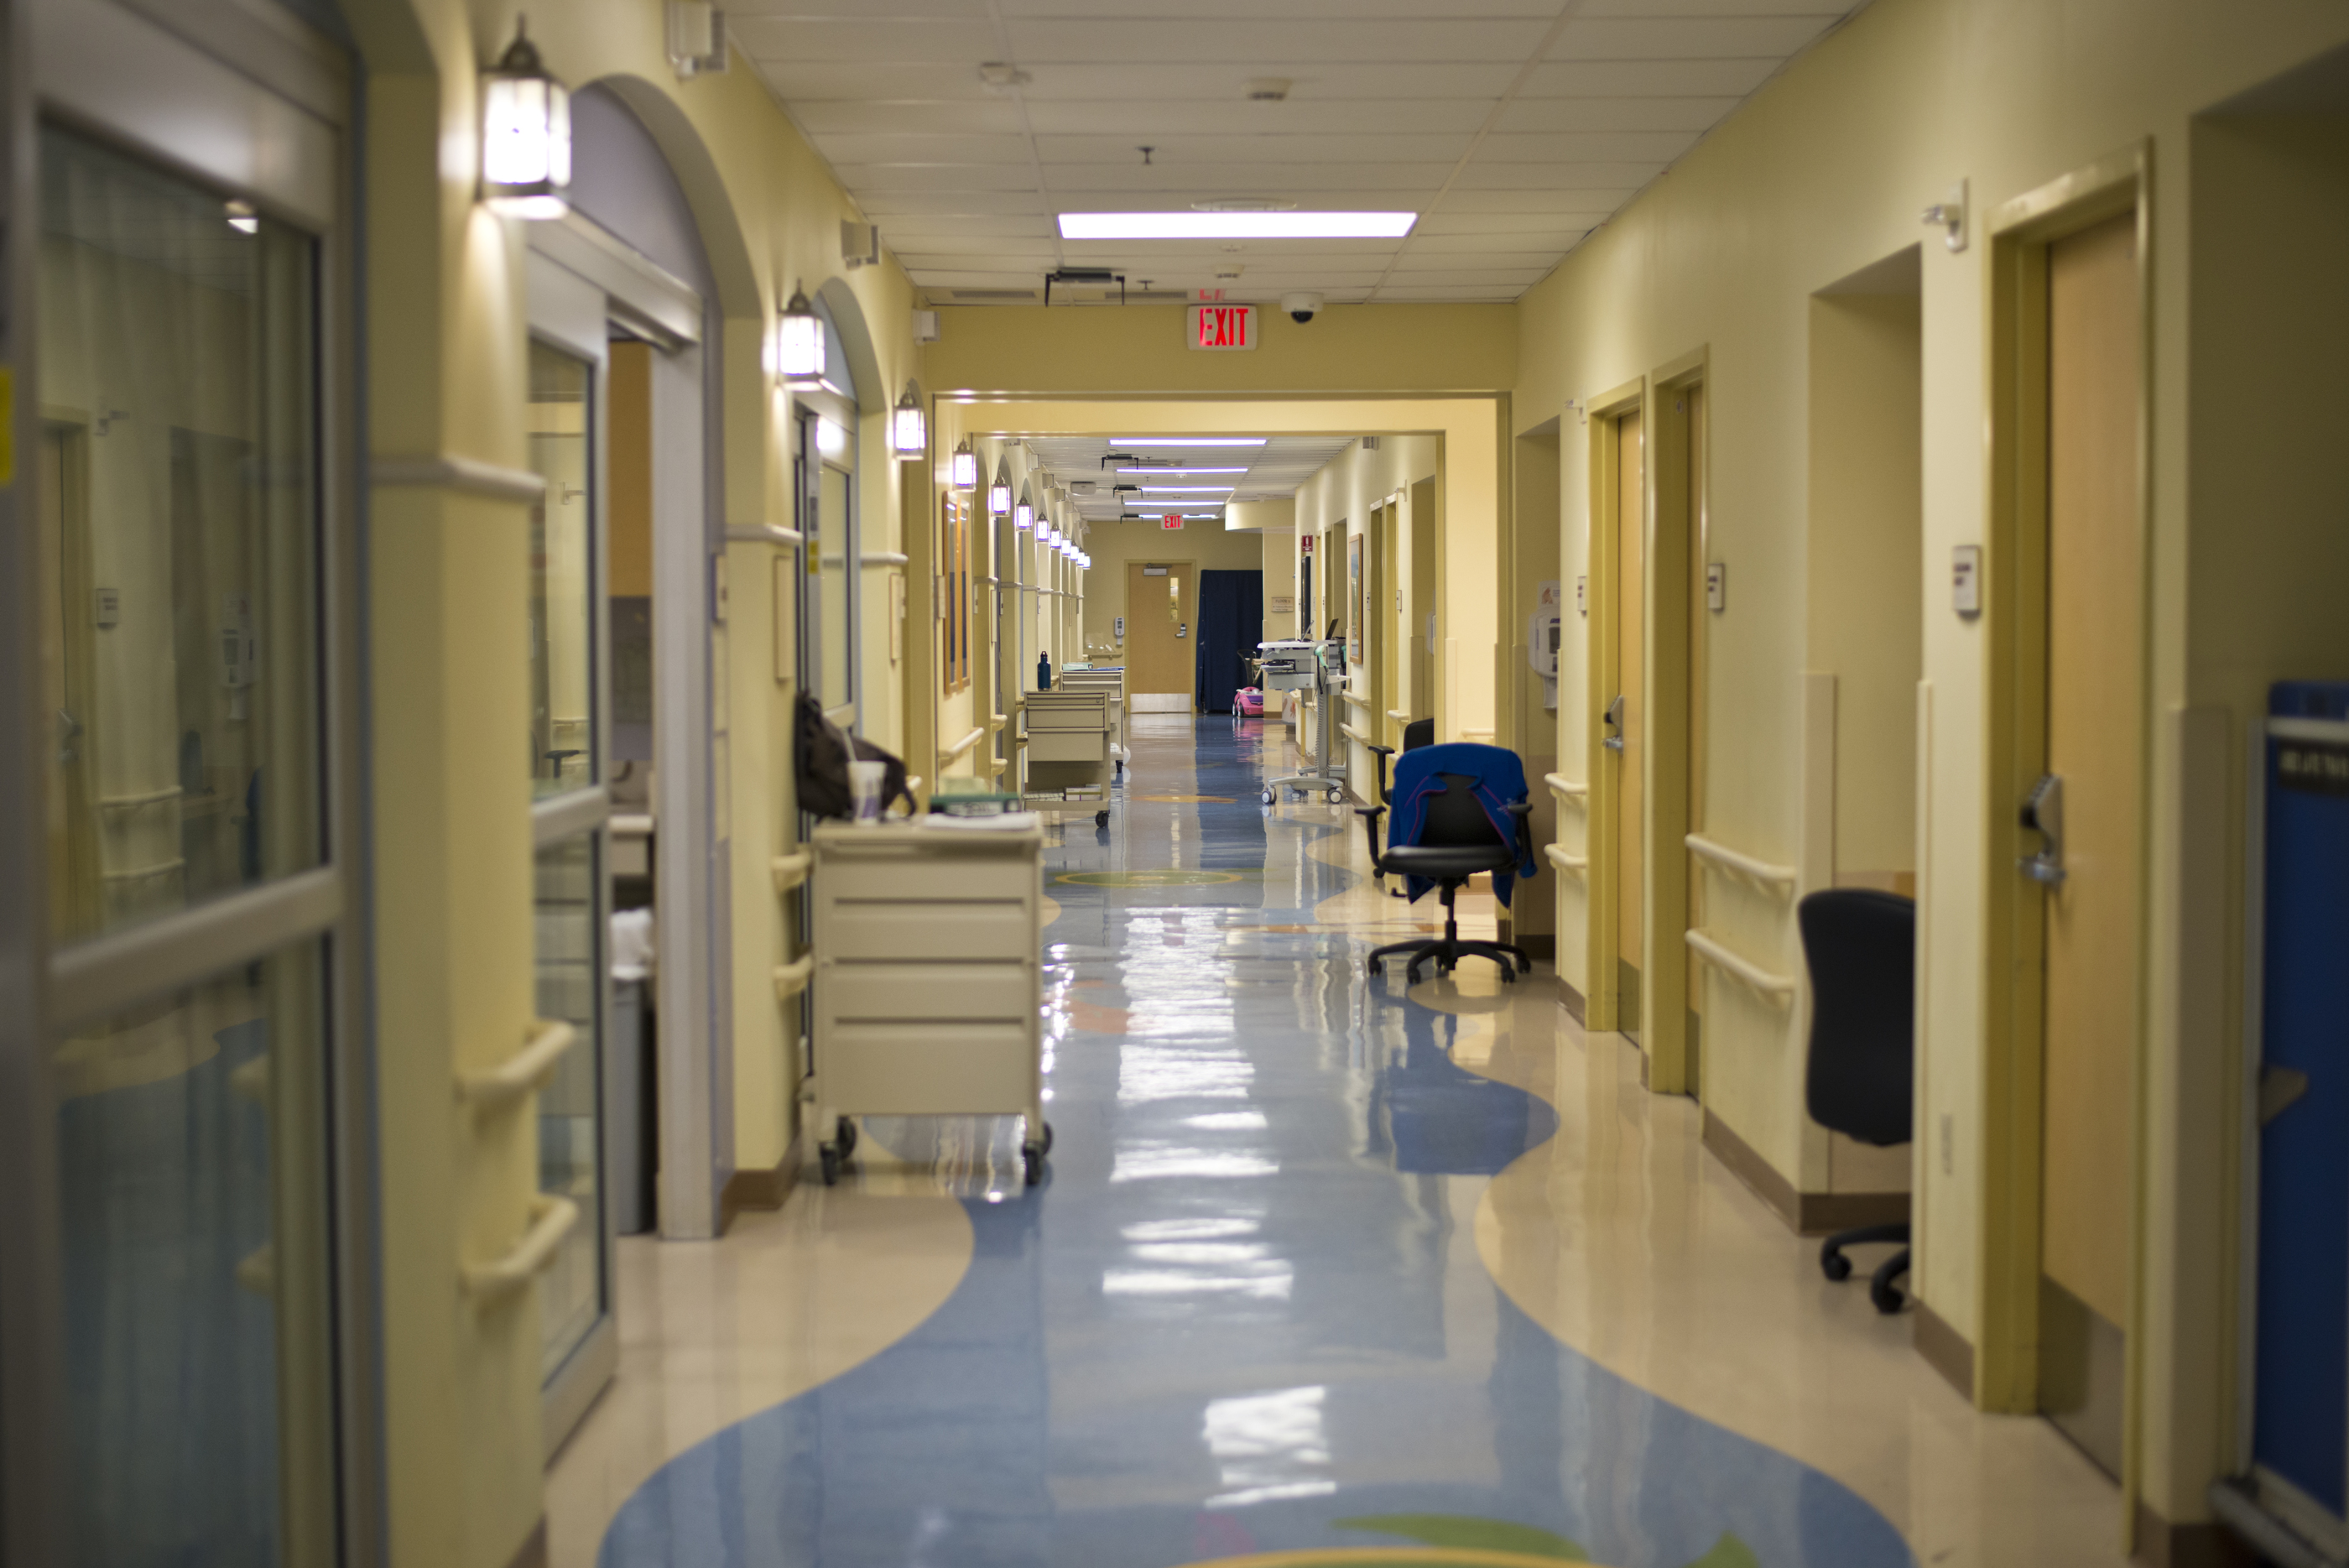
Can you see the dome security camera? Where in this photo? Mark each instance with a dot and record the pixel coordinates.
(1301, 307)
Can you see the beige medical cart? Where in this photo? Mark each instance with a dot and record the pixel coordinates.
(1069, 756)
(1109, 680)
(928, 980)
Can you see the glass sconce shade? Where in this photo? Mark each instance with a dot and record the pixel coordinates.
(1023, 515)
(525, 135)
(998, 494)
(909, 431)
(798, 341)
(965, 467)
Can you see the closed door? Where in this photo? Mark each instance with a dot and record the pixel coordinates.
(2094, 695)
(1691, 402)
(1160, 610)
(1630, 686)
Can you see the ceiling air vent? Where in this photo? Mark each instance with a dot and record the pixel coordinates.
(996, 295)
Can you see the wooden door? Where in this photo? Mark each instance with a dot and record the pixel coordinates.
(2094, 745)
(1162, 613)
(1630, 685)
(1387, 614)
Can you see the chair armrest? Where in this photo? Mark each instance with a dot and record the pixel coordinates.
(1523, 810)
(1382, 753)
(1369, 815)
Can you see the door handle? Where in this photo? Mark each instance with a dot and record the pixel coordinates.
(1614, 718)
(2043, 813)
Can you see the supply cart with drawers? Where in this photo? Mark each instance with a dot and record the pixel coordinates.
(928, 977)
(1069, 760)
(1109, 680)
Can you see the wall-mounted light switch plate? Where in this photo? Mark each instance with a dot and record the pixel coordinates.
(1582, 595)
(1965, 579)
(1716, 586)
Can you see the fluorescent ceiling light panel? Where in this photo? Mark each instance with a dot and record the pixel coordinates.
(1179, 472)
(1187, 441)
(1187, 489)
(1237, 225)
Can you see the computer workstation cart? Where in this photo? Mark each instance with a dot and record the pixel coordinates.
(1319, 668)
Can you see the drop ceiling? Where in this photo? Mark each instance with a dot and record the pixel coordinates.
(1273, 471)
(1515, 126)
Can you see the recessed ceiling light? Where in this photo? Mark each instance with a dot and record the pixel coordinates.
(1187, 441)
(1186, 489)
(1178, 473)
(1237, 225)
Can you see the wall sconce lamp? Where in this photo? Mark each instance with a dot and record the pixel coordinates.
(799, 342)
(909, 431)
(526, 134)
(998, 494)
(964, 472)
(1023, 515)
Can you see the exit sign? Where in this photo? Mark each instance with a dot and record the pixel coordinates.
(1222, 325)
(1171, 520)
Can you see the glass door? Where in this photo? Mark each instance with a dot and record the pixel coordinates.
(570, 822)
(181, 525)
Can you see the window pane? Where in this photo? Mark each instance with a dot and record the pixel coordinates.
(570, 1119)
(191, 1168)
(562, 684)
(178, 525)
(834, 555)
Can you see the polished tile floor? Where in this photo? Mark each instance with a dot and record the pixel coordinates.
(1325, 1271)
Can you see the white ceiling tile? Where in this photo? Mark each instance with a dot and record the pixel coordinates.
(1587, 147)
(1133, 81)
(1593, 199)
(973, 177)
(947, 277)
(1225, 115)
(1550, 115)
(976, 226)
(1651, 8)
(1518, 277)
(1205, 181)
(931, 206)
(739, 11)
(1648, 79)
(1456, 294)
(1244, 41)
(1171, 151)
(1687, 38)
(934, 40)
(1557, 176)
(891, 117)
(1235, 12)
(844, 150)
(1551, 243)
(1013, 254)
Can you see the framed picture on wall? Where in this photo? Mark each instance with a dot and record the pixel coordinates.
(1305, 585)
(1354, 607)
(954, 593)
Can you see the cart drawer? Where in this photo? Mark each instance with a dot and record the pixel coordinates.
(1068, 746)
(933, 1069)
(890, 929)
(864, 993)
(967, 875)
(1091, 717)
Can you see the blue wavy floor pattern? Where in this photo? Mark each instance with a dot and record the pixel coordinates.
(1246, 1304)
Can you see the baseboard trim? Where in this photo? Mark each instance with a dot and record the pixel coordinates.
(1571, 1000)
(1541, 945)
(531, 1553)
(1945, 1350)
(2202, 1544)
(760, 1186)
(1804, 1213)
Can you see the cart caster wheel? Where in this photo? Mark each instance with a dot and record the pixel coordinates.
(1834, 1265)
(1336, 794)
(1031, 1162)
(846, 1138)
(830, 1157)
(1101, 819)
(1268, 798)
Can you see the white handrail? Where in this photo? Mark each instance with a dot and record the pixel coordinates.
(764, 534)
(1565, 788)
(1772, 988)
(550, 1219)
(1352, 734)
(1774, 878)
(1476, 735)
(528, 1069)
(959, 747)
(791, 979)
(790, 870)
(126, 802)
(632, 824)
(1399, 716)
(1572, 865)
(140, 873)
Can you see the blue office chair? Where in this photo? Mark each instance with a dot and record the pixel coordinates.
(1450, 804)
(1861, 946)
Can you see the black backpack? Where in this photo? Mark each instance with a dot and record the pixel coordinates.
(823, 751)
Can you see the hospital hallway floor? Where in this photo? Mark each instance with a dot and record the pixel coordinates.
(1324, 1272)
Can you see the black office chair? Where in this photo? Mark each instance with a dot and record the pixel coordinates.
(1417, 734)
(1456, 840)
(1861, 945)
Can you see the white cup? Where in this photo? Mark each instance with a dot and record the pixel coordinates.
(865, 784)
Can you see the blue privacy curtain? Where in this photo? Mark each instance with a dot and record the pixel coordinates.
(1231, 623)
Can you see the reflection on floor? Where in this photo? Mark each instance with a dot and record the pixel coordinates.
(1324, 1272)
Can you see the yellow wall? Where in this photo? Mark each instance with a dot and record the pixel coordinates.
(447, 584)
(1822, 173)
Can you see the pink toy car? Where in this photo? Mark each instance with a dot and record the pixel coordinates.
(1249, 702)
